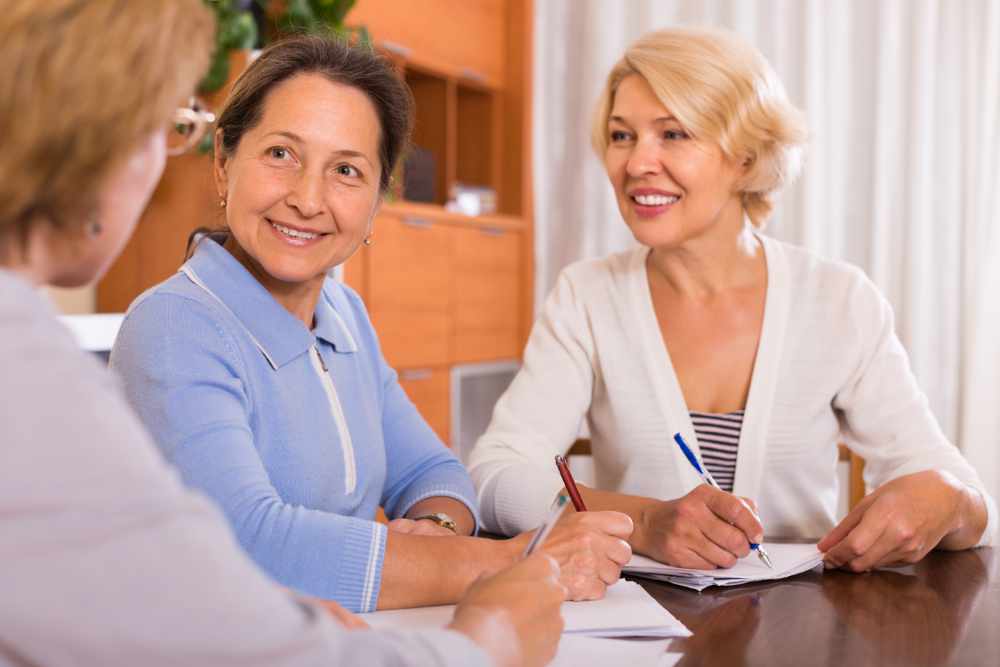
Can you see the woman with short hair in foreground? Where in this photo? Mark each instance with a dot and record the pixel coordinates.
(106, 558)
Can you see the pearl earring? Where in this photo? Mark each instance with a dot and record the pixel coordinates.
(368, 240)
(222, 202)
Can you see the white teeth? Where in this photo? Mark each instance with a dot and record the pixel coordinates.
(294, 233)
(655, 200)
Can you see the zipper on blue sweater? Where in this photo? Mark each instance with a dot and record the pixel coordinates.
(350, 468)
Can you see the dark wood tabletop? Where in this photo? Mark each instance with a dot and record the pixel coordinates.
(944, 610)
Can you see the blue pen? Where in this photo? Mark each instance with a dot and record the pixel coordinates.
(706, 477)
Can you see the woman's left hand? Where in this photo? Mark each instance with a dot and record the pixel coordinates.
(422, 527)
(899, 522)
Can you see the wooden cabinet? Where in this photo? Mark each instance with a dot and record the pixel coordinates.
(462, 37)
(442, 288)
(445, 289)
(429, 389)
(408, 278)
(485, 294)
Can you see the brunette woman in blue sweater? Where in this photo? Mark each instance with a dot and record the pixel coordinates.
(262, 378)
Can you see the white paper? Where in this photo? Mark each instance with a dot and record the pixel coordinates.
(625, 611)
(788, 560)
(580, 651)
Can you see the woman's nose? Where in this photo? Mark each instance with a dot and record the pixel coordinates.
(644, 159)
(306, 196)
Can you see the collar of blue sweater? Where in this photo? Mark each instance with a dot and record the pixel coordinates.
(280, 336)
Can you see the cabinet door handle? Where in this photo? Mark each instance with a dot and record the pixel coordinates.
(415, 374)
(419, 223)
(492, 231)
(398, 49)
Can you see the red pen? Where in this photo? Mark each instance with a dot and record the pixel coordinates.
(567, 478)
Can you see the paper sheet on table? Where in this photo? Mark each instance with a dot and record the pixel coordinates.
(625, 611)
(788, 560)
(580, 651)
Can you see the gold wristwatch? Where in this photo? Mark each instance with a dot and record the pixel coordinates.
(441, 519)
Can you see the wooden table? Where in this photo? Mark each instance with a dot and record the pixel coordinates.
(944, 610)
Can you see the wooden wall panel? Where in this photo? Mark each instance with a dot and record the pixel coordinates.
(466, 36)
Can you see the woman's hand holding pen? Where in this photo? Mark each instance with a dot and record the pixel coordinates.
(515, 615)
(590, 547)
(903, 519)
(705, 529)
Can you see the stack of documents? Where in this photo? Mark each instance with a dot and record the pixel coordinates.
(625, 611)
(788, 560)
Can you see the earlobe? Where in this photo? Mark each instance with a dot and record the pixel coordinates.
(220, 163)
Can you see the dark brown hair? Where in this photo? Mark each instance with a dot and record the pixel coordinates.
(81, 83)
(356, 66)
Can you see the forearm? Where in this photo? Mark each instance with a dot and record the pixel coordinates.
(457, 510)
(971, 519)
(422, 570)
(634, 506)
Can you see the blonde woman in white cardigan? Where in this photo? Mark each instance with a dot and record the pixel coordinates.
(762, 355)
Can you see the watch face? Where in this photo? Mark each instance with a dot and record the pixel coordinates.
(441, 519)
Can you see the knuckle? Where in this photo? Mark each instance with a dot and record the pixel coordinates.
(853, 547)
(904, 532)
(686, 511)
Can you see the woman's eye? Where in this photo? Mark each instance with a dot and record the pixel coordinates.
(618, 135)
(347, 170)
(277, 152)
(675, 135)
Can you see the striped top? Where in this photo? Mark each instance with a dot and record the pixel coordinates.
(719, 438)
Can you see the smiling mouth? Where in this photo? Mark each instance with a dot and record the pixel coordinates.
(296, 234)
(654, 200)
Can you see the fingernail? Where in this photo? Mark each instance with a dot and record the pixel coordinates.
(758, 538)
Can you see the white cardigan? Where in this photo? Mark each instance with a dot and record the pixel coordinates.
(829, 368)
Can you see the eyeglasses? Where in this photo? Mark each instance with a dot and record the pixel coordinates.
(187, 127)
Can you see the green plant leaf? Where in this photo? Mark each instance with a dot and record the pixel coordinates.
(217, 73)
(241, 32)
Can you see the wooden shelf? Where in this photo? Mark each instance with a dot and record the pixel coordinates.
(409, 209)
(433, 126)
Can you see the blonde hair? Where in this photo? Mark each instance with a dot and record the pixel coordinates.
(81, 83)
(720, 89)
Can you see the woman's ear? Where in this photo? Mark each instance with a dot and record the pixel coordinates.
(220, 165)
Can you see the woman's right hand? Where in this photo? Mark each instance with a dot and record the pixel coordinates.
(515, 615)
(591, 549)
(705, 529)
